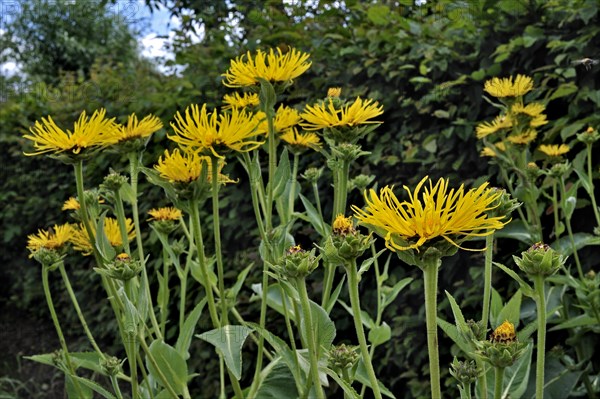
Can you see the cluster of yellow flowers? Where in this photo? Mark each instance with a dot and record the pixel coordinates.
(516, 126)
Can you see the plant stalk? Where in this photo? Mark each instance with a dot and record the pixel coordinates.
(430, 275)
(539, 285)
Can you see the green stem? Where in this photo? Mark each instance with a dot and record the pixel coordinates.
(145, 376)
(88, 333)
(197, 232)
(555, 210)
(290, 332)
(498, 382)
(341, 190)
(511, 190)
(164, 300)
(61, 337)
(467, 388)
(591, 183)
(182, 299)
(541, 335)
(115, 384)
(563, 193)
(317, 198)
(131, 351)
(292, 193)
(134, 170)
(487, 280)
(482, 379)
(272, 167)
(217, 238)
(353, 281)
(120, 211)
(430, 275)
(310, 338)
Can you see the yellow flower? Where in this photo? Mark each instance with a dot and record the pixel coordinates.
(505, 333)
(71, 205)
(505, 87)
(308, 140)
(88, 133)
(181, 168)
(136, 129)
(236, 100)
(484, 129)
(453, 216)
(532, 109)
(523, 138)
(488, 151)
(285, 118)
(54, 238)
(81, 240)
(334, 92)
(554, 150)
(325, 114)
(165, 213)
(275, 67)
(342, 226)
(211, 133)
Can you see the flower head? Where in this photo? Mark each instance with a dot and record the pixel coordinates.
(326, 115)
(214, 133)
(274, 67)
(489, 151)
(301, 141)
(135, 128)
(83, 243)
(180, 167)
(334, 92)
(285, 119)
(71, 205)
(505, 87)
(88, 133)
(554, 150)
(166, 213)
(244, 100)
(523, 138)
(501, 122)
(54, 238)
(453, 215)
(342, 226)
(504, 333)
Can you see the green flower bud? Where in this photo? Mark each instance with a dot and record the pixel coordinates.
(113, 182)
(312, 175)
(47, 257)
(559, 170)
(503, 348)
(465, 372)
(345, 244)
(347, 151)
(342, 357)
(111, 365)
(504, 205)
(122, 268)
(297, 263)
(475, 331)
(361, 182)
(540, 259)
(533, 171)
(589, 137)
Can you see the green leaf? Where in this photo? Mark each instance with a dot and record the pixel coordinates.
(185, 335)
(452, 332)
(389, 295)
(565, 89)
(274, 299)
(282, 175)
(347, 388)
(379, 14)
(102, 244)
(380, 334)
(362, 377)
(459, 319)
(569, 206)
(314, 217)
(323, 328)
(229, 341)
(515, 230)
(511, 311)
(267, 96)
(170, 363)
(526, 288)
(495, 305)
(366, 319)
(276, 381)
(563, 244)
(75, 389)
(93, 386)
(580, 321)
(235, 290)
(516, 376)
(126, 192)
(335, 295)
(366, 264)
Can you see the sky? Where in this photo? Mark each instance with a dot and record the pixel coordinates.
(156, 32)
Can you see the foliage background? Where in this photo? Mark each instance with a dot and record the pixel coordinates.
(426, 64)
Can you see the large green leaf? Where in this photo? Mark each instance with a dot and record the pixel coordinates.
(511, 311)
(276, 381)
(228, 340)
(170, 363)
(564, 247)
(76, 390)
(322, 326)
(185, 335)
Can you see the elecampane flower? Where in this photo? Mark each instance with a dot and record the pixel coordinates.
(505, 87)
(82, 242)
(165, 213)
(71, 205)
(531, 109)
(285, 118)
(236, 100)
(308, 140)
(500, 122)
(180, 167)
(453, 215)
(489, 151)
(523, 138)
(275, 67)
(54, 238)
(214, 133)
(136, 129)
(323, 115)
(88, 132)
(554, 150)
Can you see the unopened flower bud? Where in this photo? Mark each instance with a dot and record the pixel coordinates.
(504, 205)
(47, 257)
(560, 170)
(312, 175)
(113, 181)
(123, 267)
(465, 372)
(503, 349)
(342, 357)
(111, 365)
(297, 263)
(361, 182)
(345, 244)
(540, 259)
(589, 137)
